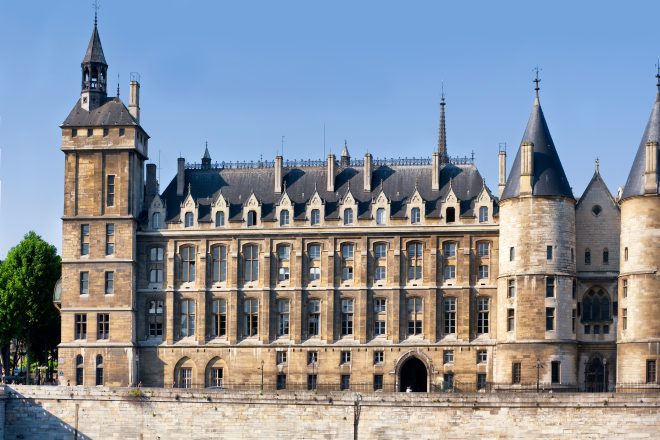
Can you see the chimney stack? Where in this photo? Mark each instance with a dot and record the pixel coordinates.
(651, 168)
(152, 182)
(526, 167)
(278, 174)
(330, 173)
(368, 167)
(502, 172)
(435, 172)
(180, 176)
(134, 99)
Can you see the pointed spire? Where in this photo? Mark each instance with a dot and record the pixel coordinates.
(344, 151)
(442, 131)
(94, 53)
(206, 159)
(345, 159)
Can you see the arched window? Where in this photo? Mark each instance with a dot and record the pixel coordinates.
(99, 370)
(451, 215)
(380, 261)
(380, 216)
(587, 256)
(415, 260)
(315, 217)
(625, 254)
(80, 370)
(219, 263)
(314, 261)
(483, 214)
(155, 220)
(219, 219)
(251, 263)
(606, 256)
(348, 216)
(284, 217)
(252, 218)
(189, 220)
(415, 216)
(283, 262)
(215, 373)
(596, 306)
(187, 264)
(183, 373)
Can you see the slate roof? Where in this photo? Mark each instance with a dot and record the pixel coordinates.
(111, 112)
(595, 184)
(549, 178)
(94, 53)
(398, 183)
(635, 183)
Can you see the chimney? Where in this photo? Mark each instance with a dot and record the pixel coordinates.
(152, 182)
(435, 172)
(134, 100)
(278, 174)
(330, 173)
(368, 167)
(180, 175)
(651, 168)
(526, 168)
(502, 172)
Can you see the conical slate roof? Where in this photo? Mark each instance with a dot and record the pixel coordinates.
(94, 52)
(635, 183)
(549, 178)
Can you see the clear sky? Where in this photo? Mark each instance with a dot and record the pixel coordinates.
(242, 74)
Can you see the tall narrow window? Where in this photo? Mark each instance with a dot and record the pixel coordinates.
(511, 288)
(283, 317)
(651, 373)
(549, 318)
(155, 220)
(348, 216)
(314, 261)
(251, 317)
(216, 377)
(281, 381)
(189, 220)
(346, 317)
(606, 256)
(314, 317)
(109, 283)
(482, 273)
(80, 323)
(625, 254)
(625, 288)
(587, 256)
(415, 216)
(109, 239)
(99, 370)
(345, 382)
(449, 316)
(219, 318)
(103, 326)
(415, 316)
(84, 283)
(451, 215)
(483, 249)
(315, 217)
(284, 217)
(219, 219)
(555, 372)
(187, 264)
(155, 318)
(283, 262)
(624, 319)
(185, 377)
(449, 249)
(380, 216)
(252, 218)
(516, 373)
(510, 320)
(110, 191)
(187, 321)
(415, 260)
(550, 287)
(573, 320)
(347, 254)
(512, 253)
(548, 253)
(155, 265)
(84, 239)
(219, 263)
(483, 315)
(251, 263)
(483, 214)
(380, 262)
(80, 369)
(380, 316)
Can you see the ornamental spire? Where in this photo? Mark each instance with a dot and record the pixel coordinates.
(442, 131)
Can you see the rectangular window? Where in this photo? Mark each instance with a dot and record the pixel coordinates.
(379, 357)
(625, 288)
(105, 132)
(283, 260)
(587, 329)
(482, 383)
(512, 253)
(510, 320)
(216, 377)
(110, 191)
(415, 316)
(186, 377)
(155, 319)
(311, 382)
(90, 132)
(448, 357)
(80, 323)
(109, 283)
(483, 249)
(312, 357)
(548, 253)
(219, 264)
(549, 318)
(450, 250)
(650, 371)
(281, 357)
(380, 316)
(314, 317)
(314, 255)
(283, 317)
(573, 320)
(448, 381)
(511, 288)
(345, 357)
(84, 283)
(250, 317)
(450, 272)
(483, 315)
(109, 239)
(346, 317)
(606, 329)
(555, 367)
(378, 382)
(155, 265)
(482, 356)
(516, 373)
(345, 382)
(219, 318)
(122, 131)
(550, 287)
(415, 261)
(574, 289)
(84, 239)
(380, 261)
(187, 264)
(380, 305)
(449, 315)
(624, 319)
(379, 327)
(482, 274)
(281, 382)
(187, 321)
(251, 263)
(74, 132)
(103, 326)
(347, 252)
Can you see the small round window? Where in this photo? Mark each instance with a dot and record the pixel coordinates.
(596, 210)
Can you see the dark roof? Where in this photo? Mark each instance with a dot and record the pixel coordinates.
(397, 182)
(94, 53)
(596, 184)
(635, 183)
(549, 177)
(111, 112)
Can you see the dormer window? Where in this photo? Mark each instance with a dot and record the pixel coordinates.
(155, 220)
(415, 216)
(90, 132)
(284, 218)
(348, 216)
(380, 216)
(451, 215)
(74, 132)
(219, 219)
(252, 218)
(483, 214)
(188, 220)
(315, 217)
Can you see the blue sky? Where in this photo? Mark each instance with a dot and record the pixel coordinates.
(242, 74)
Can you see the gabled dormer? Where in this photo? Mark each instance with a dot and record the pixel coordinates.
(252, 212)
(380, 209)
(315, 210)
(451, 205)
(219, 210)
(416, 208)
(348, 209)
(157, 214)
(284, 210)
(188, 217)
(483, 205)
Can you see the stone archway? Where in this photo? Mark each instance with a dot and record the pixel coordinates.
(413, 374)
(594, 375)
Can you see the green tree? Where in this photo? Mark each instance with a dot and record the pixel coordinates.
(27, 278)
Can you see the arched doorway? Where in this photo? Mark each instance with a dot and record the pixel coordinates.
(594, 373)
(413, 374)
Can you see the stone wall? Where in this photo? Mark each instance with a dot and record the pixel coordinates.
(50, 412)
(2, 412)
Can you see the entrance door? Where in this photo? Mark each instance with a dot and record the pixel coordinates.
(413, 374)
(595, 376)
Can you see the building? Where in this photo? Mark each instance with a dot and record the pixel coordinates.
(350, 274)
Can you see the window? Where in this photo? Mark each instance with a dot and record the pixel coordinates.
(515, 373)
(284, 218)
(483, 272)
(380, 316)
(312, 357)
(185, 377)
(512, 253)
(596, 209)
(99, 370)
(155, 265)
(80, 323)
(219, 219)
(483, 249)
(482, 356)
(84, 239)
(348, 216)
(252, 218)
(216, 377)
(122, 131)
(550, 287)
(187, 264)
(187, 318)
(251, 263)
(572, 255)
(587, 257)
(511, 288)
(379, 357)
(109, 239)
(451, 215)
(549, 318)
(189, 220)
(80, 368)
(155, 220)
(650, 371)
(482, 383)
(448, 357)
(84, 283)
(346, 317)
(548, 253)
(347, 252)
(109, 283)
(250, 317)
(283, 317)
(415, 216)
(555, 370)
(281, 357)
(415, 261)
(311, 382)
(380, 216)
(510, 320)
(315, 217)
(283, 259)
(450, 250)
(573, 319)
(606, 256)
(483, 214)
(624, 319)
(155, 318)
(625, 288)
(314, 317)
(345, 382)
(281, 382)
(450, 272)
(106, 132)
(450, 315)
(596, 306)
(74, 132)
(483, 315)
(625, 254)
(219, 263)
(218, 318)
(380, 261)
(110, 191)
(345, 357)
(415, 316)
(314, 256)
(574, 289)
(378, 382)
(103, 326)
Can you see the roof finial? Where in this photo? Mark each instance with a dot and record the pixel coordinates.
(442, 130)
(657, 75)
(597, 166)
(537, 80)
(117, 85)
(96, 6)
